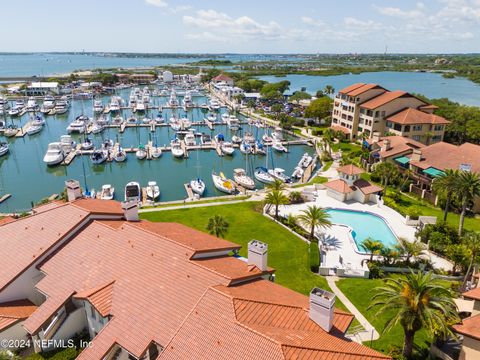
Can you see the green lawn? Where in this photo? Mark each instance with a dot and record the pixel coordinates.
(181, 203)
(327, 165)
(287, 253)
(345, 147)
(315, 180)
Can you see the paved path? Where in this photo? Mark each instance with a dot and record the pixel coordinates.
(369, 333)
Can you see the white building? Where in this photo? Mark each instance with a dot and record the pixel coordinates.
(43, 88)
(167, 76)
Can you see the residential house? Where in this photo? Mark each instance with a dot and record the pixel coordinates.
(222, 79)
(147, 290)
(469, 328)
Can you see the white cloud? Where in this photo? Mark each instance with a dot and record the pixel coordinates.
(180, 8)
(206, 36)
(158, 3)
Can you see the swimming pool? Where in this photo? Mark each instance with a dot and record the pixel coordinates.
(364, 225)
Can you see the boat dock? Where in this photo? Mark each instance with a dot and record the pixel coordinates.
(23, 130)
(307, 173)
(184, 148)
(5, 197)
(190, 194)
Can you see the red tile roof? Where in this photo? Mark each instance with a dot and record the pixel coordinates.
(469, 327)
(398, 145)
(364, 88)
(99, 206)
(222, 77)
(366, 187)
(352, 87)
(350, 170)
(6, 220)
(15, 311)
(410, 116)
(340, 186)
(472, 294)
(383, 99)
(100, 297)
(340, 128)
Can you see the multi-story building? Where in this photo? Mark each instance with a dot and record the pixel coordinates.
(362, 109)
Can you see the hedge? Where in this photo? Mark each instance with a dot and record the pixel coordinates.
(314, 257)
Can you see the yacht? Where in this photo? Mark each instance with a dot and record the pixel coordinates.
(223, 184)
(214, 104)
(278, 146)
(176, 148)
(3, 148)
(262, 175)
(206, 139)
(98, 106)
(173, 101)
(62, 105)
(34, 129)
(236, 139)
(32, 104)
(87, 144)
(297, 172)
(279, 174)
(4, 104)
(120, 155)
(187, 100)
(133, 192)
(115, 104)
(175, 124)
(159, 119)
(54, 154)
(48, 104)
(241, 178)
(38, 121)
(97, 128)
(277, 134)
(305, 161)
(117, 120)
(227, 148)
(152, 190)
(98, 157)
(233, 123)
(67, 143)
(140, 106)
(198, 186)
(10, 131)
(78, 125)
(132, 101)
(190, 139)
(107, 192)
(186, 123)
(225, 117)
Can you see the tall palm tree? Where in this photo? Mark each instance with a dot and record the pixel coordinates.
(276, 198)
(313, 217)
(410, 248)
(472, 241)
(217, 225)
(446, 184)
(417, 301)
(329, 89)
(372, 246)
(387, 171)
(468, 188)
(276, 185)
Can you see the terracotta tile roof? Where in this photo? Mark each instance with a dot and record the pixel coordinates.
(339, 186)
(429, 106)
(222, 77)
(99, 206)
(383, 99)
(6, 220)
(410, 116)
(186, 236)
(352, 87)
(340, 128)
(398, 145)
(366, 187)
(469, 327)
(100, 297)
(48, 206)
(15, 311)
(444, 156)
(363, 88)
(350, 170)
(472, 294)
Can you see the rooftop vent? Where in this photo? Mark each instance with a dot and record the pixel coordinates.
(130, 210)
(322, 304)
(257, 254)
(74, 191)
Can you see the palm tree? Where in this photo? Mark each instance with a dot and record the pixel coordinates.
(372, 246)
(387, 171)
(468, 188)
(217, 225)
(417, 301)
(329, 89)
(276, 185)
(446, 184)
(313, 217)
(276, 198)
(472, 241)
(410, 248)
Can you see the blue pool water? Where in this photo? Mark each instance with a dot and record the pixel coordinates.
(364, 225)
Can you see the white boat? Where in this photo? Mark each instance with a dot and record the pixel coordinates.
(223, 184)
(214, 104)
(10, 131)
(133, 192)
(78, 125)
(48, 104)
(152, 190)
(212, 117)
(54, 154)
(38, 121)
(97, 128)
(236, 139)
(3, 148)
(68, 144)
(198, 186)
(176, 125)
(187, 100)
(4, 104)
(98, 106)
(233, 123)
(297, 172)
(156, 152)
(146, 120)
(107, 192)
(141, 153)
(245, 148)
(14, 111)
(190, 139)
(240, 176)
(173, 101)
(176, 148)
(186, 123)
(32, 104)
(34, 129)
(305, 161)
(279, 174)
(225, 117)
(159, 119)
(262, 175)
(120, 155)
(140, 106)
(117, 120)
(62, 106)
(227, 148)
(266, 138)
(107, 144)
(98, 157)
(277, 134)
(115, 104)
(278, 146)
(102, 120)
(87, 144)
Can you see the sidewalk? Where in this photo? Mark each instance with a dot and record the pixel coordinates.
(369, 333)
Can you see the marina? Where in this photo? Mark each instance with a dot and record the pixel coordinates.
(24, 166)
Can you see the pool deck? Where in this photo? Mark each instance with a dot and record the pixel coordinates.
(341, 251)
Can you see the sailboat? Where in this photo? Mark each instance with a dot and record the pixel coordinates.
(223, 184)
(241, 178)
(198, 185)
(262, 175)
(141, 153)
(120, 155)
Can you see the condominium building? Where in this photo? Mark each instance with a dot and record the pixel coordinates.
(362, 109)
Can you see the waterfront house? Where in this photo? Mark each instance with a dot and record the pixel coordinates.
(360, 110)
(350, 186)
(222, 79)
(388, 148)
(42, 88)
(146, 290)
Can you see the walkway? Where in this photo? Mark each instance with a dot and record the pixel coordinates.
(370, 333)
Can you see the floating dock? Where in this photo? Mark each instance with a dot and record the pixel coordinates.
(5, 197)
(23, 130)
(190, 194)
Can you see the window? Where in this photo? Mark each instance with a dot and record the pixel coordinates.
(416, 137)
(417, 127)
(383, 113)
(397, 127)
(438, 127)
(406, 128)
(93, 313)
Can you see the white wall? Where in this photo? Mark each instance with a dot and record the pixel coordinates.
(336, 195)
(73, 324)
(24, 288)
(96, 324)
(14, 332)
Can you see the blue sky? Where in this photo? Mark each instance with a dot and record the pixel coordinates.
(246, 26)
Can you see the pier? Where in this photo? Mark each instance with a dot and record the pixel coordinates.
(190, 194)
(5, 197)
(23, 130)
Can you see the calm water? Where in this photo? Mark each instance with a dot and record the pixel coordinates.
(364, 225)
(429, 84)
(24, 175)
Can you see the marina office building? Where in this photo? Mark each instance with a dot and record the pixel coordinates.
(146, 290)
(361, 109)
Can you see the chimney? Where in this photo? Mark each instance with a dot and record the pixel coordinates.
(386, 145)
(416, 155)
(376, 136)
(130, 210)
(257, 254)
(322, 304)
(73, 190)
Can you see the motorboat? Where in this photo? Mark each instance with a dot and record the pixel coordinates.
(38, 121)
(236, 139)
(305, 161)
(78, 125)
(98, 157)
(259, 149)
(133, 192)
(266, 138)
(32, 104)
(277, 134)
(173, 101)
(87, 144)
(227, 148)
(198, 186)
(102, 120)
(152, 190)
(115, 103)
(117, 120)
(10, 131)
(223, 184)
(278, 146)
(107, 192)
(132, 120)
(155, 152)
(98, 106)
(249, 138)
(54, 154)
(4, 104)
(140, 106)
(62, 106)
(14, 111)
(176, 148)
(120, 155)
(297, 172)
(206, 139)
(211, 117)
(4, 149)
(34, 129)
(241, 178)
(214, 104)
(225, 117)
(159, 119)
(185, 123)
(176, 125)
(233, 123)
(146, 120)
(262, 175)
(245, 148)
(190, 139)
(132, 101)
(279, 174)
(107, 144)
(97, 128)
(141, 153)
(68, 144)
(48, 104)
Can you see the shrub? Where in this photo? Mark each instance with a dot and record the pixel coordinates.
(414, 212)
(296, 197)
(375, 271)
(314, 257)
